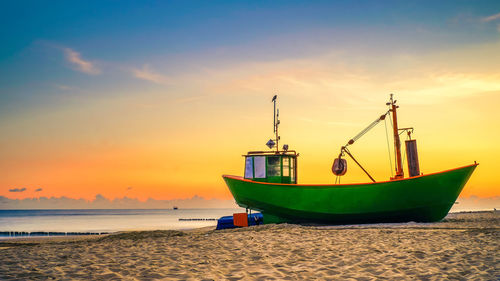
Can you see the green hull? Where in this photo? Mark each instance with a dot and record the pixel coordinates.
(426, 198)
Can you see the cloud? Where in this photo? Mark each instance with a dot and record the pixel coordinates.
(38, 189)
(190, 99)
(146, 73)
(17, 189)
(63, 87)
(80, 64)
(472, 203)
(101, 202)
(491, 18)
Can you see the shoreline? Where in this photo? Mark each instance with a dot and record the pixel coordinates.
(449, 222)
(90, 235)
(58, 234)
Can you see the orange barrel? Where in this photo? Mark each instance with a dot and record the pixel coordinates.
(412, 157)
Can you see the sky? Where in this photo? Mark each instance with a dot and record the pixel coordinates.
(158, 99)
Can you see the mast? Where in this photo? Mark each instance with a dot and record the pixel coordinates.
(397, 142)
(276, 122)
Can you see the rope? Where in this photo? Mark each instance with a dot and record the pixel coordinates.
(388, 148)
(404, 153)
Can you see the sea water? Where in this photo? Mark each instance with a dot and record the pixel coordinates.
(60, 222)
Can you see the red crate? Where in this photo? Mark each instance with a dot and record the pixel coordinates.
(240, 219)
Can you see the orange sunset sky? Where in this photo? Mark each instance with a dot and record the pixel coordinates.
(159, 101)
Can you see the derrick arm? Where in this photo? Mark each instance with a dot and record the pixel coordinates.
(352, 157)
(355, 138)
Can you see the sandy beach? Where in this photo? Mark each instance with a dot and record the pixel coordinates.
(465, 246)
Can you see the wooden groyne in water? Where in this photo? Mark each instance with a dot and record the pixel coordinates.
(5, 234)
(196, 219)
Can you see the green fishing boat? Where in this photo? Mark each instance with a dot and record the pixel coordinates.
(269, 185)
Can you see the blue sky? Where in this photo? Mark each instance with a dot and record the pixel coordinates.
(136, 32)
(136, 46)
(136, 74)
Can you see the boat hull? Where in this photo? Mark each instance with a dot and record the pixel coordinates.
(425, 198)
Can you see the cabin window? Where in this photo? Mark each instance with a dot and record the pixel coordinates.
(292, 170)
(260, 166)
(249, 168)
(273, 166)
(286, 166)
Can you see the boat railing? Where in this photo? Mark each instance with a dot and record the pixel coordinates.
(280, 152)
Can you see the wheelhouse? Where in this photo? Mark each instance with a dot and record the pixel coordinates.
(271, 166)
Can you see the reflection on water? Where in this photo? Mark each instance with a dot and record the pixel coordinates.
(108, 220)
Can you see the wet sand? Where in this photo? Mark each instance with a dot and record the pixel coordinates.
(465, 246)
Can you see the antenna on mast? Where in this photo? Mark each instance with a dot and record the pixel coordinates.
(276, 122)
(274, 114)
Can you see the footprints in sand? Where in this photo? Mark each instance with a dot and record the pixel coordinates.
(271, 252)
